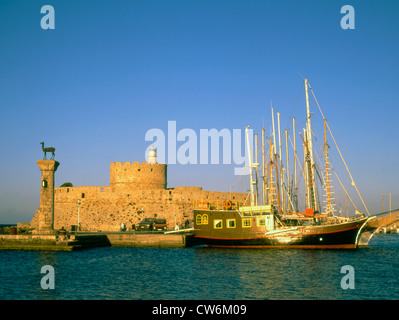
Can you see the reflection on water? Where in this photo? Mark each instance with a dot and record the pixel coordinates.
(204, 273)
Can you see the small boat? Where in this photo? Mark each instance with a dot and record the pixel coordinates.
(278, 223)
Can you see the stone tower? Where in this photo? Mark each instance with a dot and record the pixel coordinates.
(139, 176)
(46, 208)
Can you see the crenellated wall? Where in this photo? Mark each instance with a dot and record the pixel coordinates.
(136, 175)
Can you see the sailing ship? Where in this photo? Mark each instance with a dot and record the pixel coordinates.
(277, 222)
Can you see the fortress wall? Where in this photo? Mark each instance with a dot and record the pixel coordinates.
(186, 189)
(136, 191)
(79, 192)
(106, 210)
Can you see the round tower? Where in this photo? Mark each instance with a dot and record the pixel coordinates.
(135, 175)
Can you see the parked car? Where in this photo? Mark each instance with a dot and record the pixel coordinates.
(145, 225)
(159, 224)
(151, 224)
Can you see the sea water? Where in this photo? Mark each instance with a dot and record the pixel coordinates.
(203, 273)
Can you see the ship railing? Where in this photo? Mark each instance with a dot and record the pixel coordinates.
(216, 205)
(260, 210)
(220, 205)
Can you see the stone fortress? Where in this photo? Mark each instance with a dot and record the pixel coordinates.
(136, 191)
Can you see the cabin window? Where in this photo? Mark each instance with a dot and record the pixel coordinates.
(260, 221)
(198, 219)
(246, 223)
(204, 219)
(231, 223)
(217, 224)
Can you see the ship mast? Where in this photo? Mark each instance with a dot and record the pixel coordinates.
(281, 175)
(274, 135)
(256, 165)
(306, 161)
(272, 189)
(264, 177)
(309, 149)
(329, 207)
(272, 184)
(254, 199)
(288, 186)
(295, 196)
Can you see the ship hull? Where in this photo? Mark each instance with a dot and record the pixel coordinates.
(334, 236)
(340, 240)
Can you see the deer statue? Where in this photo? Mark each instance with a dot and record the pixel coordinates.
(50, 149)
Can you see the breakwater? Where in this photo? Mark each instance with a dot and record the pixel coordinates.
(79, 241)
(161, 240)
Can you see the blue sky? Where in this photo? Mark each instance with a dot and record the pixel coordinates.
(112, 70)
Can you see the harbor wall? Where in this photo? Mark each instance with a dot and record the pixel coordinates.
(71, 242)
(149, 240)
(52, 242)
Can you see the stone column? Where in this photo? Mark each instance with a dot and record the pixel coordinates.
(46, 208)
